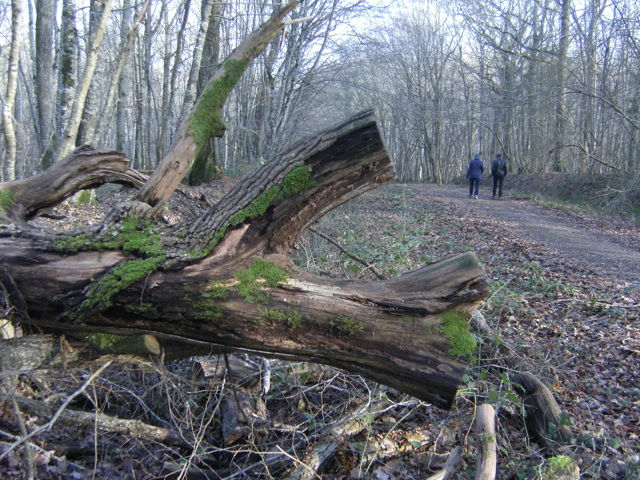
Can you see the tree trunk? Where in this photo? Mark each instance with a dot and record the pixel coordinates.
(224, 281)
(45, 80)
(8, 127)
(67, 56)
(119, 84)
(69, 140)
(561, 121)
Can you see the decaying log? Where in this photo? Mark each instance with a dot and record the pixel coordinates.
(190, 298)
(31, 352)
(138, 345)
(84, 168)
(240, 409)
(240, 370)
(544, 416)
(487, 455)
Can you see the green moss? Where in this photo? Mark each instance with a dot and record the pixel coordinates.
(291, 317)
(259, 205)
(205, 305)
(103, 341)
(100, 293)
(76, 243)
(134, 237)
(260, 274)
(297, 180)
(6, 200)
(347, 325)
(206, 121)
(456, 330)
(558, 466)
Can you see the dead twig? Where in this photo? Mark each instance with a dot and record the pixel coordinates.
(348, 253)
(62, 408)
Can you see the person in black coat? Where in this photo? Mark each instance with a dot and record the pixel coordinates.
(498, 171)
(474, 174)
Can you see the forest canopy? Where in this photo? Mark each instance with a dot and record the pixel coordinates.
(551, 84)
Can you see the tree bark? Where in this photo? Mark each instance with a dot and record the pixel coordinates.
(194, 296)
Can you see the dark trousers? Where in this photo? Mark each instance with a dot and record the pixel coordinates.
(497, 183)
(473, 181)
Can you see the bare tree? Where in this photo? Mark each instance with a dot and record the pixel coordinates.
(560, 89)
(45, 81)
(69, 140)
(8, 127)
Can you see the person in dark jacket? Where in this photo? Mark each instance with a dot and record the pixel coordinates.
(498, 171)
(474, 174)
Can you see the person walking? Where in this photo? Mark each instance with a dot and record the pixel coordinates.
(498, 171)
(474, 174)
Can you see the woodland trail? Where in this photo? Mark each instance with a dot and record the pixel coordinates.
(607, 246)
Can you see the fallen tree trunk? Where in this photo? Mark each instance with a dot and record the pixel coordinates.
(225, 282)
(84, 168)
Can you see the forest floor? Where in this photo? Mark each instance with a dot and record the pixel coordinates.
(564, 305)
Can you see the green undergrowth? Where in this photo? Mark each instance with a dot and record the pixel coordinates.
(559, 466)
(404, 244)
(615, 194)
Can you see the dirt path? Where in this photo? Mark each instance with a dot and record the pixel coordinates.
(600, 247)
